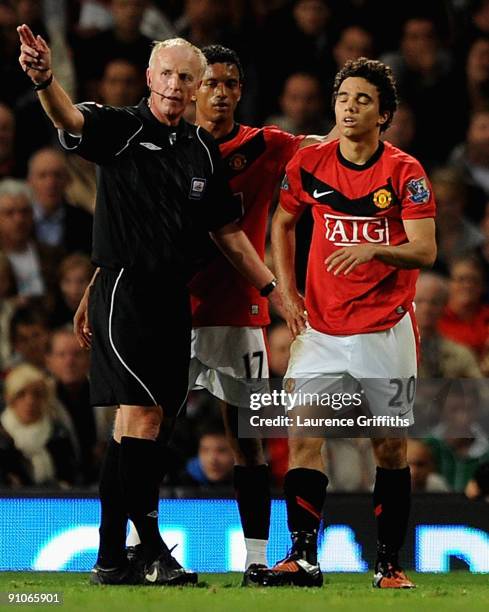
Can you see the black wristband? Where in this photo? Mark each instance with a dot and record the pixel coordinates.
(45, 84)
(267, 289)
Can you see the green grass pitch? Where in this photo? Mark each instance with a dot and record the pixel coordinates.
(457, 592)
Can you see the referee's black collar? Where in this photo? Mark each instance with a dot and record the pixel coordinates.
(181, 130)
(370, 162)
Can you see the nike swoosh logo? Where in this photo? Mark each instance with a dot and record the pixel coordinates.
(319, 194)
(153, 576)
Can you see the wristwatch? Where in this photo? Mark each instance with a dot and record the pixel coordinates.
(267, 289)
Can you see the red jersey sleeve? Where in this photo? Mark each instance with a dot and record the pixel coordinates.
(291, 188)
(417, 200)
(285, 144)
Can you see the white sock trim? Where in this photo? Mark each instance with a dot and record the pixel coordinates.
(256, 551)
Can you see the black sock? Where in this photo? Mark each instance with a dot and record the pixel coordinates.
(305, 492)
(113, 523)
(140, 472)
(252, 487)
(392, 503)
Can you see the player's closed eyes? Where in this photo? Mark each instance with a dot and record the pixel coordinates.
(360, 99)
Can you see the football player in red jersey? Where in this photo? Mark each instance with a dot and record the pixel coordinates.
(229, 355)
(373, 213)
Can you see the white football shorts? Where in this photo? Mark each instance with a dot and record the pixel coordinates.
(230, 362)
(383, 363)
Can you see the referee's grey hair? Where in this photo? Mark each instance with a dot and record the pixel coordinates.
(158, 45)
(15, 187)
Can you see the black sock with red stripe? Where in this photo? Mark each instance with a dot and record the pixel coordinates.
(392, 504)
(305, 492)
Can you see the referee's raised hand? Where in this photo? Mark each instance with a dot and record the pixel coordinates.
(35, 55)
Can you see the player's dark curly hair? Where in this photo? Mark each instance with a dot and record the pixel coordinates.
(377, 74)
(217, 54)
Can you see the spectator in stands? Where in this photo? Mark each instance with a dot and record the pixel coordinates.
(353, 42)
(74, 274)
(478, 485)
(424, 478)
(42, 440)
(123, 40)
(34, 264)
(204, 22)
(214, 463)
(456, 233)
(459, 443)
(308, 24)
(402, 130)
(476, 75)
(477, 15)
(302, 106)
(465, 318)
(121, 84)
(472, 156)
(96, 15)
(8, 301)
(69, 364)
(57, 222)
(423, 71)
(29, 335)
(439, 357)
(14, 468)
(8, 163)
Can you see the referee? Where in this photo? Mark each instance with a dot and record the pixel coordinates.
(160, 186)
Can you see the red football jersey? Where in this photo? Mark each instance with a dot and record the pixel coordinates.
(351, 205)
(255, 159)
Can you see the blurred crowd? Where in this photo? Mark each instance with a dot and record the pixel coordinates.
(290, 50)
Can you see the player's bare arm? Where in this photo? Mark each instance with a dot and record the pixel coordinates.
(236, 246)
(418, 252)
(35, 60)
(81, 324)
(283, 251)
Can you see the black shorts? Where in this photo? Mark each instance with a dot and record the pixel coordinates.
(141, 328)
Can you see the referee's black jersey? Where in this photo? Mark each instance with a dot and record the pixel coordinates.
(159, 188)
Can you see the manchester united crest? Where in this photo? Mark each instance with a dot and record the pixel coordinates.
(237, 162)
(382, 198)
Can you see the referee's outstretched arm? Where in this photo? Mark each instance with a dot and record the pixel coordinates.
(35, 59)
